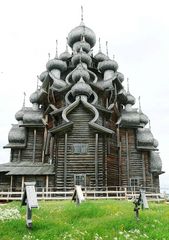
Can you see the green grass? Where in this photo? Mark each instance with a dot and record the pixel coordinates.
(92, 220)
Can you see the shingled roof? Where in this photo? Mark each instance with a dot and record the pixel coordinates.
(27, 168)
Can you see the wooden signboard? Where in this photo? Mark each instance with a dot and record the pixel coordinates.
(30, 200)
(78, 194)
(144, 199)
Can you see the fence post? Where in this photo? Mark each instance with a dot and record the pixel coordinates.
(125, 190)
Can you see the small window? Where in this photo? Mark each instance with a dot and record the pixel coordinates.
(80, 179)
(134, 181)
(80, 148)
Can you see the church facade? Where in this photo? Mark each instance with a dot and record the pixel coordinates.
(82, 127)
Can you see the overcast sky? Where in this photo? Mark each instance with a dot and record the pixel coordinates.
(137, 32)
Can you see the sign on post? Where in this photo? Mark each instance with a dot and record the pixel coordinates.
(144, 199)
(78, 194)
(30, 200)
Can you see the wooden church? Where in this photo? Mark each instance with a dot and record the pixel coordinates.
(82, 127)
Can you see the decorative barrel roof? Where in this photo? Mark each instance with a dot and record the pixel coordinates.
(145, 139)
(33, 117)
(129, 118)
(155, 162)
(76, 34)
(17, 134)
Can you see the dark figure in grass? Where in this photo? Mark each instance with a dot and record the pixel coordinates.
(137, 203)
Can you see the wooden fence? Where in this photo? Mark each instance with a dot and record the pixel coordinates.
(120, 193)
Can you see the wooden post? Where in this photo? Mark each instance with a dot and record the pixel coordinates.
(127, 158)
(44, 139)
(65, 161)
(47, 183)
(104, 162)
(11, 183)
(51, 147)
(119, 148)
(19, 155)
(144, 174)
(96, 159)
(22, 186)
(34, 144)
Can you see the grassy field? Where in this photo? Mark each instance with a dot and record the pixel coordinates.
(92, 220)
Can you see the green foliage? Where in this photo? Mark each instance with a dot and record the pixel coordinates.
(92, 220)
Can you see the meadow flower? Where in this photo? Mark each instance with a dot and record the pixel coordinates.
(9, 214)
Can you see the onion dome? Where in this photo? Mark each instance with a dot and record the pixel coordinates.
(79, 72)
(130, 99)
(81, 57)
(34, 97)
(43, 76)
(155, 162)
(56, 64)
(143, 119)
(100, 57)
(81, 88)
(145, 139)
(17, 134)
(76, 33)
(81, 44)
(65, 56)
(108, 65)
(19, 115)
(120, 76)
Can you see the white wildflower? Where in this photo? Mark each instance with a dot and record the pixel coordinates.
(9, 214)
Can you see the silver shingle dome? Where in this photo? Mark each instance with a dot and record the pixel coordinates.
(129, 118)
(56, 64)
(81, 44)
(81, 57)
(81, 88)
(77, 32)
(108, 65)
(120, 76)
(156, 163)
(100, 57)
(64, 56)
(143, 119)
(130, 98)
(19, 115)
(145, 138)
(33, 116)
(17, 134)
(43, 75)
(79, 72)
